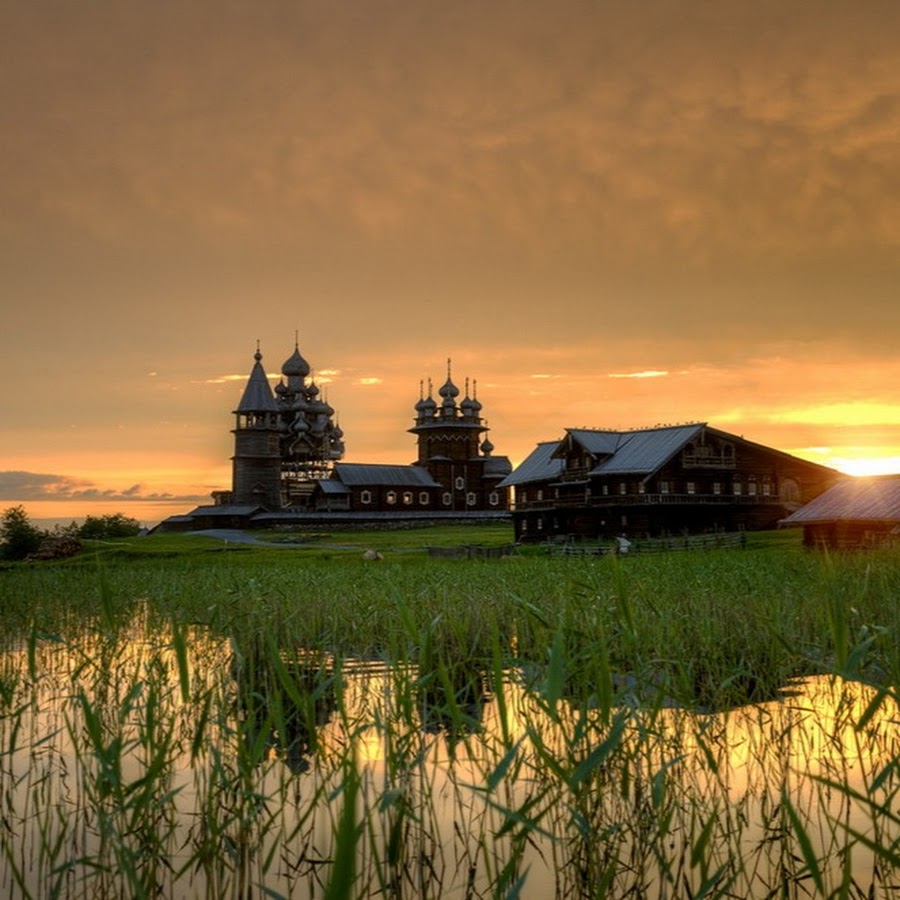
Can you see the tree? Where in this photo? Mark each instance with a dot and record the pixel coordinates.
(18, 537)
(109, 526)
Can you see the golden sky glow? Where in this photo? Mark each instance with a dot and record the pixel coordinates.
(608, 214)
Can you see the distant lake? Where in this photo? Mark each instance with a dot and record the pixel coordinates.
(48, 513)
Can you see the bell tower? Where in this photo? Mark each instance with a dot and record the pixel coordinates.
(256, 464)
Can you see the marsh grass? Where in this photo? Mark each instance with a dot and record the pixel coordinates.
(274, 723)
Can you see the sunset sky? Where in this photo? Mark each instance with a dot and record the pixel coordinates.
(609, 214)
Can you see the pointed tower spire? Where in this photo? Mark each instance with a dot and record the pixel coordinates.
(257, 397)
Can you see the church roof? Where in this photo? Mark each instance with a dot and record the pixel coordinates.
(363, 474)
(258, 396)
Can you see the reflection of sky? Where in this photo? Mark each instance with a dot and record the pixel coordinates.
(731, 766)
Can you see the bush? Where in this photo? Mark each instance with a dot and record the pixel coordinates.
(18, 537)
(115, 525)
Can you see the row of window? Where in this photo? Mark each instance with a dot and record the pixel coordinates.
(407, 498)
(752, 489)
(539, 523)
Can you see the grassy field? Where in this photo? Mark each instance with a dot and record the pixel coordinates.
(709, 628)
(186, 716)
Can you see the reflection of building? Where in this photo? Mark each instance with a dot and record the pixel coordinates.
(666, 480)
(287, 461)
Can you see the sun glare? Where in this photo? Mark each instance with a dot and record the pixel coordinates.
(887, 465)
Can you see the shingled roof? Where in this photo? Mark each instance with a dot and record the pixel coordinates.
(857, 500)
(633, 452)
(643, 452)
(539, 465)
(384, 475)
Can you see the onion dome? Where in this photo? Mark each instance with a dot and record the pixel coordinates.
(300, 425)
(470, 406)
(428, 404)
(449, 391)
(295, 365)
(422, 404)
(487, 448)
(280, 388)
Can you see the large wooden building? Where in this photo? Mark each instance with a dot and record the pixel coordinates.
(658, 481)
(288, 461)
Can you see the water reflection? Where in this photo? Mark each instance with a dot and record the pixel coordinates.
(281, 701)
(151, 762)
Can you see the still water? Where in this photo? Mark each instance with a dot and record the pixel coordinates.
(153, 762)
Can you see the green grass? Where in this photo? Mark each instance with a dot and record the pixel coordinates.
(709, 628)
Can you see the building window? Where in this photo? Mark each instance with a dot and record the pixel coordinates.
(624, 521)
(424, 498)
(751, 488)
(460, 483)
(540, 494)
(623, 488)
(767, 489)
(692, 487)
(523, 496)
(664, 487)
(605, 489)
(540, 524)
(493, 498)
(407, 498)
(641, 487)
(717, 487)
(392, 497)
(447, 498)
(366, 497)
(737, 489)
(471, 498)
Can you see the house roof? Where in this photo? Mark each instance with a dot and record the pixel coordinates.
(857, 499)
(632, 452)
(539, 465)
(599, 443)
(362, 474)
(643, 452)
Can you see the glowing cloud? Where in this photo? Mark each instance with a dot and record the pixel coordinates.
(647, 373)
(858, 413)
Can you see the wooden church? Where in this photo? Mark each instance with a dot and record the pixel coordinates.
(288, 463)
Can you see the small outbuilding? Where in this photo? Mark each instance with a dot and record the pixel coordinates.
(857, 513)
